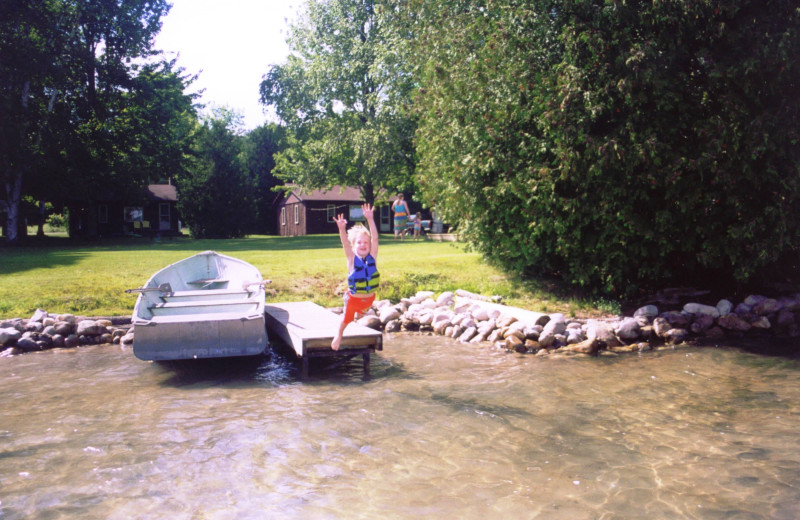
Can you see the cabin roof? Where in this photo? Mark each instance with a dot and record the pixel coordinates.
(163, 192)
(335, 194)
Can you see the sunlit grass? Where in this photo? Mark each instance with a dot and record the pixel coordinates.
(90, 279)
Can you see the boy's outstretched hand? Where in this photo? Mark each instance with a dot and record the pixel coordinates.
(341, 221)
(368, 211)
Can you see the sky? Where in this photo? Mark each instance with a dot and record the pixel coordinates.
(231, 44)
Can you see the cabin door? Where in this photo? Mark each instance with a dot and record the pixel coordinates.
(385, 225)
(164, 217)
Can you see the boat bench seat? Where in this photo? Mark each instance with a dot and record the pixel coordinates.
(207, 281)
(181, 296)
(204, 307)
(201, 303)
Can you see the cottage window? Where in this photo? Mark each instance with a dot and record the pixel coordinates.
(283, 216)
(297, 213)
(356, 213)
(102, 213)
(331, 212)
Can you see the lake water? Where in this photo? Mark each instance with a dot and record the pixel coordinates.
(441, 430)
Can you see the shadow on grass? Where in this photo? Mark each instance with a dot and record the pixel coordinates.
(48, 252)
(24, 258)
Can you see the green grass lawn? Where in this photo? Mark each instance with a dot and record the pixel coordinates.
(90, 279)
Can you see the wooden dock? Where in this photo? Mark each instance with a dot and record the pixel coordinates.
(309, 329)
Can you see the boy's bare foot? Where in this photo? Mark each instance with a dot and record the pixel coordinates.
(335, 343)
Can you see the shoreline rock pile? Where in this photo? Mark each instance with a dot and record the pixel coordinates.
(475, 319)
(44, 331)
(470, 318)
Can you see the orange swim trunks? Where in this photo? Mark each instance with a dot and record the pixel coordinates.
(353, 305)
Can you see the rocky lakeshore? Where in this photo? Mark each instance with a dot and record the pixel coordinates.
(470, 318)
(44, 331)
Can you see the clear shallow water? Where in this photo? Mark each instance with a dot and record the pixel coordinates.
(441, 430)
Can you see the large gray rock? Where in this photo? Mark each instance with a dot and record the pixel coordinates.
(90, 328)
(603, 332)
(39, 315)
(677, 319)
(677, 335)
(590, 346)
(762, 322)
(388, 314)
(628, 329)
(648, 311)
(373, 322)
(724, 307)
(734, 322)
(480, 314)
(445, 299)
(468, 334)
(65, 328)
(661, 327)
(487, 326)
(702, 323)
(421, 296)
(699, 308)
(27, 344)
(9, 336)
(425, 317)
(768, 306)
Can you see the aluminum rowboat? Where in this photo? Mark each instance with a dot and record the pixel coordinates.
(206, 306)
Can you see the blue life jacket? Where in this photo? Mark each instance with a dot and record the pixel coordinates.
(364, 278)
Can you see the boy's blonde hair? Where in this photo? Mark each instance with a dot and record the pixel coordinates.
(356, 231)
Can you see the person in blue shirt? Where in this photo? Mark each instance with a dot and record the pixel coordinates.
(361, 249)
(400, 208)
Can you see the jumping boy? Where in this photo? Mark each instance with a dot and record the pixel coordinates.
(361, 248)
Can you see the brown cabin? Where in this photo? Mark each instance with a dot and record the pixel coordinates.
(313, 213)
(154, 214)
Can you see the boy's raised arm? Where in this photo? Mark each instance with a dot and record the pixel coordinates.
(369, 214)
(341, 223)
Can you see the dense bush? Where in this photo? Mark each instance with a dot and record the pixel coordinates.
(217, 197)
(618, 144)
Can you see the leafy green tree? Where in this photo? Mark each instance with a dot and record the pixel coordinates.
(261, 145)
(157, 121)
(65, 71)
(343, 95)
(33, 44)
(618, 144)
(217, 197)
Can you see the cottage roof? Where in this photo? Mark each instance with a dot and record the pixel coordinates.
(163, 192)
(334, 194)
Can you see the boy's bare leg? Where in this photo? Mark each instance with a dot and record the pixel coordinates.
(338, 339)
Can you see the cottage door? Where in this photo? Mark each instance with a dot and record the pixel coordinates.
(164, 217)
(385, 225)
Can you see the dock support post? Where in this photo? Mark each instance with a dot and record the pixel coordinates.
(304, 375)
(366, 365)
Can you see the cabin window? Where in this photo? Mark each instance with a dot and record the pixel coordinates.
(297, 213)
(331, 212)
(133, 214)
(102, 213)
(283, 216)
(356, 213)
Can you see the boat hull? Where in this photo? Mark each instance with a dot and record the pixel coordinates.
(206, 306)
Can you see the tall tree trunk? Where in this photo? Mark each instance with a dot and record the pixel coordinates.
(13, 195)
(40, 230)
(368, 190)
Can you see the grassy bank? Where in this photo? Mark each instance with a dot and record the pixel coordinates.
(90, 279)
